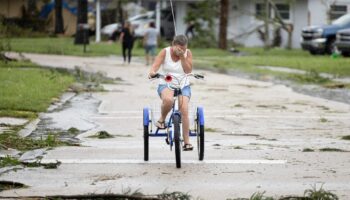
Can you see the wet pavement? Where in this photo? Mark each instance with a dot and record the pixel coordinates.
(256, 137)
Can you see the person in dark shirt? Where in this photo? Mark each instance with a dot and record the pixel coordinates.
(127, 40)
(190, 30)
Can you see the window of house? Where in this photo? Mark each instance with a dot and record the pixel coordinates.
(337, 11)
(260, 10)
(284, 11)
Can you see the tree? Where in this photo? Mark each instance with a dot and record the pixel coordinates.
(266, 23)
(224, 6)
(82, 34)
(120, 12)
(287, 27)
(276, 21)
(203, 15)
(58, 19)
(32, 9)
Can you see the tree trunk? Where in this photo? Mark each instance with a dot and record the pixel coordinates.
(224, 6)
(287, 27)
(32, 9)
(82, 34)
(290, 36)
(59, 19)
(120, 12)
(266, 23)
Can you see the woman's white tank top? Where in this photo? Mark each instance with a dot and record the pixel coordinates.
(173, 68)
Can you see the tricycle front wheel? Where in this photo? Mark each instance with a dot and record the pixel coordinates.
(145, 133)
(200, 132)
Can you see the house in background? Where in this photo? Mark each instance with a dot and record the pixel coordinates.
(13, 8)
(242, 23)
(244, 17)
(69, 14)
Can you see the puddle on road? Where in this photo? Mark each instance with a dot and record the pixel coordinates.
(71, 115)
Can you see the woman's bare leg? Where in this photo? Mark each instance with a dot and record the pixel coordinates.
(167, 96)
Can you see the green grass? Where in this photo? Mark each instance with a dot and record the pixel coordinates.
(323, 120)
(9, 161)
(328, 149)
(65, 46)
(10, 139)
(102, 135)
(320, 194)
(296, 59)
(18, 114)
(346, 137)
(308, 150)
(207, 57)
(29, 89)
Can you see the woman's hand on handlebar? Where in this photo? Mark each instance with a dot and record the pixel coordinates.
(152, 74)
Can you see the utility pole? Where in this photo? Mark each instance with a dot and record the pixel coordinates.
(158, 13)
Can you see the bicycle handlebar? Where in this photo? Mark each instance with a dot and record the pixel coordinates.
(157, 75)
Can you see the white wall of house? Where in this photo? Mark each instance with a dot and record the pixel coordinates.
(242, 19)
(299, 18)
(317, 12)
(302, 13)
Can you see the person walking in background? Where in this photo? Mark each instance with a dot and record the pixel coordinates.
(190, 30)
(127, 40)
(150, 43)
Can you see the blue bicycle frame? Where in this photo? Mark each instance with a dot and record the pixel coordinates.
(168, 130)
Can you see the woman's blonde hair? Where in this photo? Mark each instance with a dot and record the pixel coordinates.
(129, 27)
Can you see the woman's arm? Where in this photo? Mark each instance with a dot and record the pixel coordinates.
(121, 36)
(145, 39)
(186, 62)
(157, 63)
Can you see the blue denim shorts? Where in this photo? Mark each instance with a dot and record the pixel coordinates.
(186, 91)
(150, 49)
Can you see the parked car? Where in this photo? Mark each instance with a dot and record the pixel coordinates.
(140, 24)
(343, 42)
(321, 39)
(112, 31)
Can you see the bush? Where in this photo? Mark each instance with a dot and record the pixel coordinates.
(17, 27)
(207, 41)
